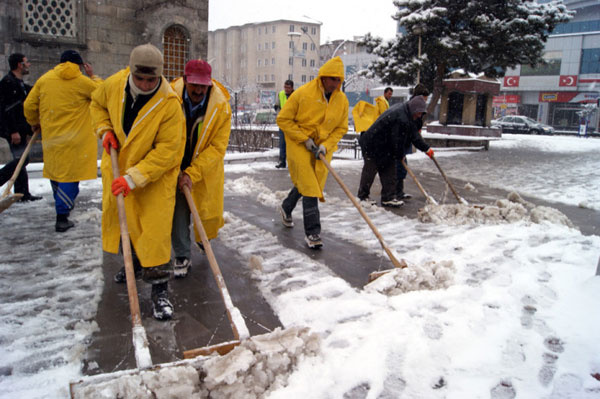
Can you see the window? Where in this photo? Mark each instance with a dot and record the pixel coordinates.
(175, 51)
(590, 61)
(273, 30)
(291, 28)
(303, 78)
(291, 61)
(312, 63)
(313, 47)
(258, 62)
(266, 61)
(266, 79)
(313, 31)
(258, 46)
(259, 31)
(291, 45)
(304, 46)
(272, 45)
(552, 68)
(50, 18)
(312, 77)
(266, 46)
(272, 78)
(266, 30)
(303, 62)
(304, 28)
(290, 77)
(272, 61)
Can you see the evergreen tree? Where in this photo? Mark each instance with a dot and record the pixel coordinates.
(474, 35)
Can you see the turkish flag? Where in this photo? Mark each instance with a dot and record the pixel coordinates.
(511, 81)
(567, 80)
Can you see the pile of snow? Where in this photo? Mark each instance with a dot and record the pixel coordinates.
(427, 276)
(253, 369)
(510, 210)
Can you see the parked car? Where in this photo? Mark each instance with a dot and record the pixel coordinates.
(521, 124)
(265, 117)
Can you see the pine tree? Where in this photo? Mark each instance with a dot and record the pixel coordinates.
(476, 36)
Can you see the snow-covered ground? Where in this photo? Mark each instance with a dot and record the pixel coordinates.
(511, 313)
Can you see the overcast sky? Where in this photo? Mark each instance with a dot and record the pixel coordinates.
(342, 19)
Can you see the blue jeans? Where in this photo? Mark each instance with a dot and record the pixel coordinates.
(281, 147)
(64, 196)
(310, 210)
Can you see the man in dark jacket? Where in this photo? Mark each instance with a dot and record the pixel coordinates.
(15, 128)
(384, 143)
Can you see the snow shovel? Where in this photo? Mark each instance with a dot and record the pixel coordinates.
(7, 200)
(240, 331)
(429, 199)
(397, 263)
(140, 340)
(458, 197)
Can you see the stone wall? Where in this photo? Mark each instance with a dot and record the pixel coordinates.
(106, 31)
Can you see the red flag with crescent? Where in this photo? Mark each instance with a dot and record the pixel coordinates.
(511, 81)
(567, 80)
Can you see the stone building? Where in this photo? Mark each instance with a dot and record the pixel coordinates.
(253, 60)
(103, 31)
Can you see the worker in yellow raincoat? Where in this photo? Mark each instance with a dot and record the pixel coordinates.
(208, 122)
(313, 119)
(138, 113)
(59, 104)
(382, 102)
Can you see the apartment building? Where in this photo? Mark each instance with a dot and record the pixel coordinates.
(554, 93)
(254, 60)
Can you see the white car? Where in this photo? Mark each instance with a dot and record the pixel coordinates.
(521, 124)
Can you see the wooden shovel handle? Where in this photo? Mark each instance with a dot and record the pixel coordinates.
(458, 197)
(240, 331)
(13, 178)
(134, 305)
(388, 251)
(414, 177)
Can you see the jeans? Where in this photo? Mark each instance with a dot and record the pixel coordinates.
(282, 154)
(310, 210)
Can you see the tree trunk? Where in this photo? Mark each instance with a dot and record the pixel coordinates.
(437, 89)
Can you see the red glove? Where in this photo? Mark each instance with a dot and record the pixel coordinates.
(429, 153)
(109, 141)
(119, 185)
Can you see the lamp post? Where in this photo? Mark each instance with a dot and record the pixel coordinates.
(418, 31)
(337, 48)
(292, 35)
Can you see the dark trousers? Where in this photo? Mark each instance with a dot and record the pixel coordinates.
(22, 182)
(401, 173)
(281, 147)
(310, 209)
(387, 177)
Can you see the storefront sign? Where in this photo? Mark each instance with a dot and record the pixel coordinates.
(507, 99)
(568, 97)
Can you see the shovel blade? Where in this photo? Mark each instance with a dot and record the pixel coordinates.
(8, 201)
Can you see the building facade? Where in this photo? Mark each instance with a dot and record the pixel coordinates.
(556, 93)
(254, 60)
(103, 31)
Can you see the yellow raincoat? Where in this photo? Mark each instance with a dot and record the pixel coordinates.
(364, 114)
(382, 104)
(206, 170)
(308, 114)
(151, 155)
(59, 102)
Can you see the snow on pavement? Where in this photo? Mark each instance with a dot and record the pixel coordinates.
(515, 317)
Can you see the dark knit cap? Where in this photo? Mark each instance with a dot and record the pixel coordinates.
(71, 56)
(417, 104)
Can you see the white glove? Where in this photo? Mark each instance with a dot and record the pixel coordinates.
(319, 150)
(310, 145)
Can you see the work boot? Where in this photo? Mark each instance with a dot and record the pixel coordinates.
(280, 165)
(63, 223)
(181, 266)
(400, 194)
(285, 218)
(313, 241)
(162, 309)
(393, 203)
(367, 201)
(29, 198)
